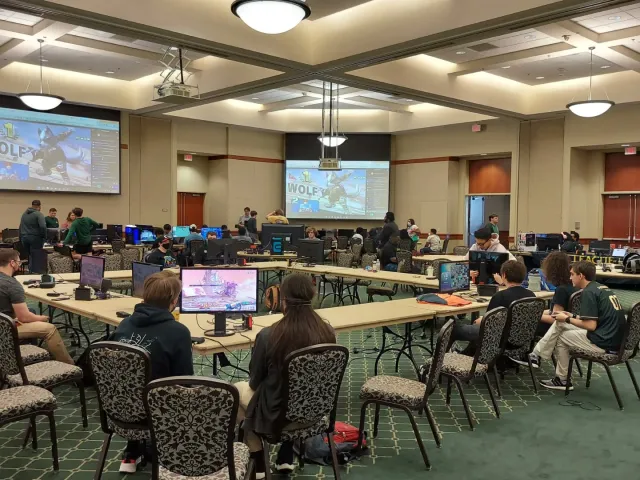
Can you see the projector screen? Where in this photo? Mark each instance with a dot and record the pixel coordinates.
(360, 191)
(58, 153)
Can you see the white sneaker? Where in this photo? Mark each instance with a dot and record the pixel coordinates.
(260, 475)
(285, 468)
(130, 465)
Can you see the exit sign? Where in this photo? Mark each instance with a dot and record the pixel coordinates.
(630, 150)
(477, 127)
(188, 158)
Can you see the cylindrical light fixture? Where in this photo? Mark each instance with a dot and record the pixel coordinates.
(40, 101)
(271, 16)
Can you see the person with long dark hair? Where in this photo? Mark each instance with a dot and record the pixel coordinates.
(260, 397)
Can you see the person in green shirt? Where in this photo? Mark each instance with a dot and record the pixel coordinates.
(81, 227)
(493, 225)
(598, 328)
(51, 220)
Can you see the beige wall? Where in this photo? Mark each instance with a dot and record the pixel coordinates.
(203, 138)
(193, 176)
(587, 184)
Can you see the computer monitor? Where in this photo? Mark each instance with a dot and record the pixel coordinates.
(486, 264)
(548, 241)
(295, 232)
(454, 277)
(139, 272)
(91, 271)
(222, 290)
(346, 232)
(114, 232)
(99, 235)
(601, 247)
(147, 236)
(231, 250)
(144, 227)
(180, 232)
(53, 235)
(619, 252)
(215, 250)
(205, 231)
(311, 250)
(10, 233)
(132, 235)
(530, 240)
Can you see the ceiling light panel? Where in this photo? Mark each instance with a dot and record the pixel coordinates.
(16, 17)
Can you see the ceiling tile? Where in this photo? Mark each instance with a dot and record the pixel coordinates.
(17, 17)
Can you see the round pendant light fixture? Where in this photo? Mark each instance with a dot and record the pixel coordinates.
(331, 137)
(40, 101)
(590, 108)
(271, 16)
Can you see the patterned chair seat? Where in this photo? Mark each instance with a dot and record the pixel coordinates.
(31, 354)
(240, 459)
(460, 365)
(47, 374)
(130, 433)
(519, 353)
(24, 400)
(608, 358)
(395, 390)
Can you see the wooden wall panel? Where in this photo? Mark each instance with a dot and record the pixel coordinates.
(490, 176)
(621, 173)
(617, 215)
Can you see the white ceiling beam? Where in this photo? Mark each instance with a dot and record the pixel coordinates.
(45, 29)
(292, 102)
(514, 58)
(344, 92)
(97, 47)
(619, 35)
(379, 104)
(15, 30)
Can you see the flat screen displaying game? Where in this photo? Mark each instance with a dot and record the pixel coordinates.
(454, 277)
(360, 191)
(205, 231)
(206, 290)
(180, 232)
(91, 271)
(58, 153)
(139, 273)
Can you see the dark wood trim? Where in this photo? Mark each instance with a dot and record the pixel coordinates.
(246, 159)
(424, 160)
(124, 146)
(443, 236)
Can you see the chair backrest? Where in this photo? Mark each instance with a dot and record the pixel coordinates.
(632, 332)
(117, 245)
(436, 267)
(574, 302)
(10, 358)
(343, 242)
(460, 250)
(59, 263)
(196, 248)
(23, 252)
(130, 255)
(431, 378)
(311, 380)
(121, 372)
(405, 261)
(355, 241)
(113, 262)
(520, 259)
(369, 245)
(368, 259)
(405, 244)
(445, 245)
(491, 340)
(356, 249)
(345, 259)
(328, 243)
(192, 423)
(524, 317)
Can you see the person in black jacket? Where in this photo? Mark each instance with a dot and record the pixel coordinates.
(252, 226)
(168, 342)
(260, 399)
(33, 230)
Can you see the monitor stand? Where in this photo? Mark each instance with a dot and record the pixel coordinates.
(220, 326)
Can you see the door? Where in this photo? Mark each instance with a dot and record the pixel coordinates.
(475, 217)
(190, 208)
(618, 213)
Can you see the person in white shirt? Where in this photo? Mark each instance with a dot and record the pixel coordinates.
(358, 235)
(434, 244)
(245, 218)
(485, 242)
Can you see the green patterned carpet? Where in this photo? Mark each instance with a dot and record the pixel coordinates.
(536, 438)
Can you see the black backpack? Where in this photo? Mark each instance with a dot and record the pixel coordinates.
(631, 262)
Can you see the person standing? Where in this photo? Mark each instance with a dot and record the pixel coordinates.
(33, 230)
(493, 225)
(81, 227)
(67, 223)
(245, 217)
(51, 220)
(277, 216)
(252, 225)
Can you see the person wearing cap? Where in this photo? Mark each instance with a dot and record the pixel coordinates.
(163, 254)
(193, 235)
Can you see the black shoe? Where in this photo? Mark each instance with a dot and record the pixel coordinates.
(555, 384)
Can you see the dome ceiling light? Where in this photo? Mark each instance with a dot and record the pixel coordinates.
(271, 16)
(590, 108)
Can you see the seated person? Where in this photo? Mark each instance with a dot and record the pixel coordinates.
(359, 235)
(13, 303)
(570, 244)
(212, 235)
(162, 255)
(599, 328)
(388, 259)
(242, 235)
(557, 269)
(512, 274)
(260, 399)
(434, 244)
(277, 216)
(168, 342)
(311, 233)
(159, 233)
(193, 235)
(167, 231)
(80, 228)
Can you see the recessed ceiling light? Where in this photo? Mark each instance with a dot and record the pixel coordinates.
(625, 145)
(110, 72)
(44, 60)
(615, 18)
(409, 100)
(255, 98)
(529, 37)
(461, 52)
(539, 78)
(507, 66)
(483, 154)
(605, 66)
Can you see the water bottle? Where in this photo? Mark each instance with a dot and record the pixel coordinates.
(430, 271)
(535, 282)
(376, 265)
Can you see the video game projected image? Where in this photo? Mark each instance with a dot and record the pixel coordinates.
(49, 152)
(359, 191)
(211, 290)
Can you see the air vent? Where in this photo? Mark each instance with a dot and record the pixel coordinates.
(482, 47)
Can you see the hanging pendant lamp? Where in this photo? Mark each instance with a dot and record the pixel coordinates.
(590, 108)
(332, 138)
(271, 16)
(40, 101)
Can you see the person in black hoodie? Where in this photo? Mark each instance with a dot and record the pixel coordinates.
(168, 342)
(33, 229)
